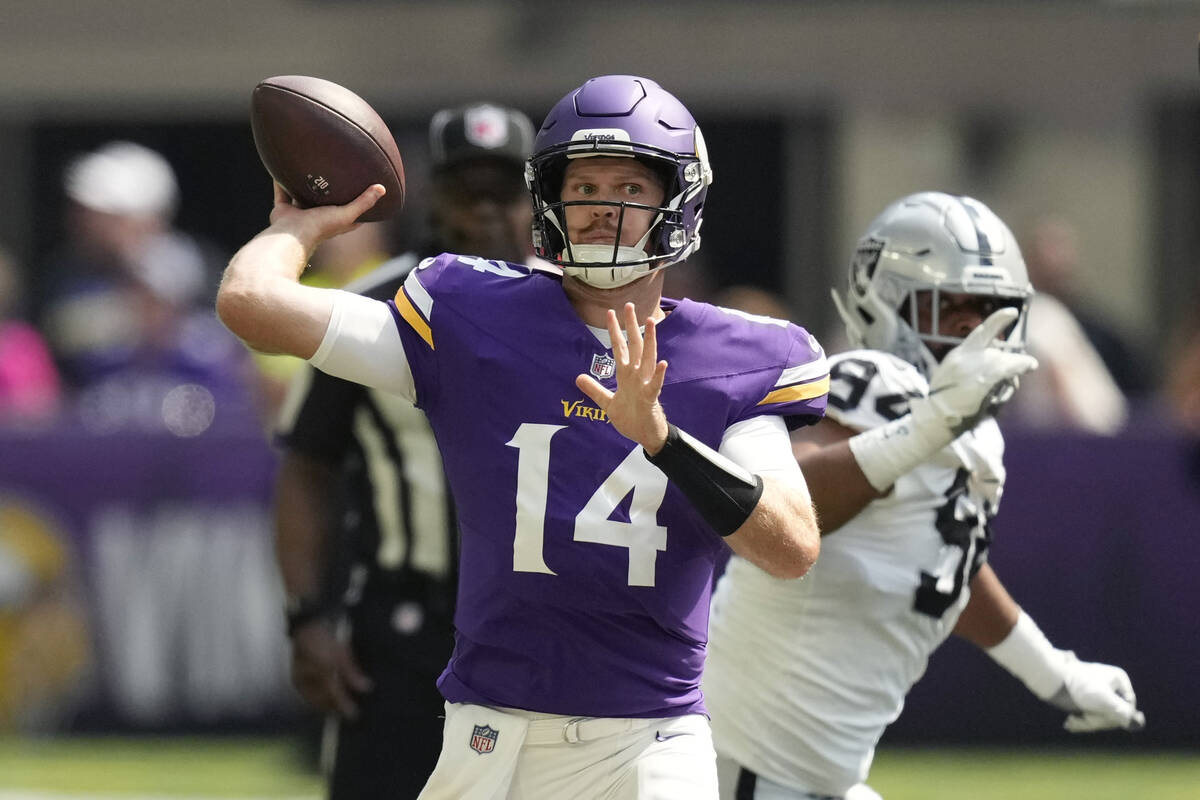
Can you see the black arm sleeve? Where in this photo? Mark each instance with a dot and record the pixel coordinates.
(723, 493)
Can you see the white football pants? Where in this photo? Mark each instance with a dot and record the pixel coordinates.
(492, 754)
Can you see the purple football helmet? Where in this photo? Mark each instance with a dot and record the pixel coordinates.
(623, 116)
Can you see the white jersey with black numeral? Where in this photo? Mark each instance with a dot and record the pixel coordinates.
(803, 676)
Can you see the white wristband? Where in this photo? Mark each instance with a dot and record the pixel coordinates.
(1029, 656)
(897, 448)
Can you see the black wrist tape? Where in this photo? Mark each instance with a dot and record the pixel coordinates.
(301, 611)
(723, 493)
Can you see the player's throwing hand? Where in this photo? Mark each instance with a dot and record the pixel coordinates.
(633, 409)
(311, 226)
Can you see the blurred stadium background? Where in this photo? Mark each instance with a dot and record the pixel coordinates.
(155, 664)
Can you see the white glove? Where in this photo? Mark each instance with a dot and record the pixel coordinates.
(1097, 696)
(860, 791)
(969, 383)
(972, 378)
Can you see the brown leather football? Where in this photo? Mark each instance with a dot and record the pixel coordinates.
(324, 144)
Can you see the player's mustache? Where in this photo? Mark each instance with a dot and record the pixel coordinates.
(602, 228)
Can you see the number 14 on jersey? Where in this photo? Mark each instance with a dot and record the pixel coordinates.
(642, 536)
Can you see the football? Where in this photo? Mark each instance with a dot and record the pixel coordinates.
(324, 144)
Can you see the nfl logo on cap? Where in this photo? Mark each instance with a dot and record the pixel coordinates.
(486, 127)
(603, 366)
(483, 739)
(479, 130)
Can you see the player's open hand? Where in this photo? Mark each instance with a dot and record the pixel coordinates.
(633, 409)
(314, 225)
(976, 376)
(324, 670)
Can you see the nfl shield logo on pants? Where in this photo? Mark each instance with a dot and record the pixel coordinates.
(603, 366)
(483, 739)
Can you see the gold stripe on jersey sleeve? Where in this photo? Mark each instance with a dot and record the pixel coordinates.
(413, 317)
(802, 391)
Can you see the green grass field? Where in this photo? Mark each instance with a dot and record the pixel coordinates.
(152, 768)
(229, 769)
(981, 774)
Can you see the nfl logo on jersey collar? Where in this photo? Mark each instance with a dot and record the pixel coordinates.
(603, 366)
(483, 739)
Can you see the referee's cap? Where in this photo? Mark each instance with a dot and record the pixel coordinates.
(479, 130)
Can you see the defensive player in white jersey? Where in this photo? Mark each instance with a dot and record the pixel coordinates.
(906, 473)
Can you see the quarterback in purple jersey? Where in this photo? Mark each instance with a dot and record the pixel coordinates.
(604, 446)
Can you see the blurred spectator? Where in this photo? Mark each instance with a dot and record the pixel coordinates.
(1181, 388)
(29, 383)
(126, 306)
(1072, 387)
(1052, 256)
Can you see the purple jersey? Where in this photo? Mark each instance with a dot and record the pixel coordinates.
(585, 576)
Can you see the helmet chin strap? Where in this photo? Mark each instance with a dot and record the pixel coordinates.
(605, 275)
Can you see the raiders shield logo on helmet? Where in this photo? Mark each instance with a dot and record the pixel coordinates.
(866, 257)
(603, 366)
